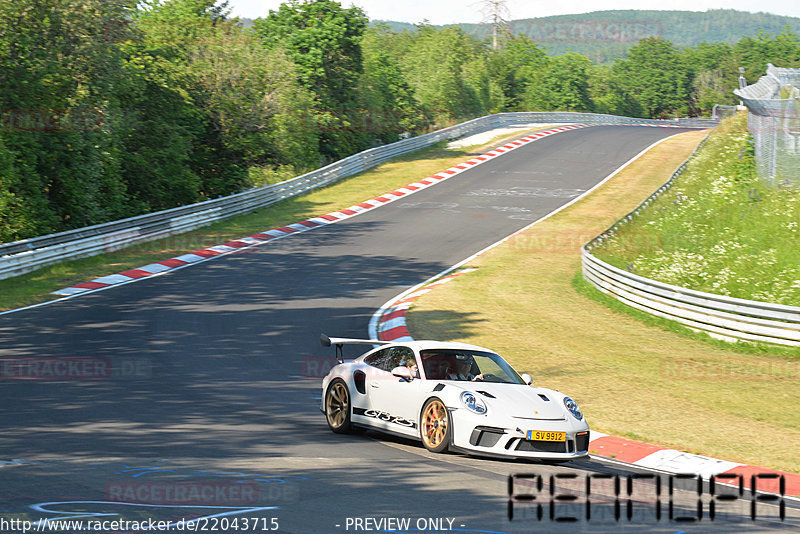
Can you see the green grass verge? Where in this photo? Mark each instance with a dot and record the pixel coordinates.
(719, 229)
(631, 376)
(36, 287)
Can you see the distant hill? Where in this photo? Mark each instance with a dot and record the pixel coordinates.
(603, 36)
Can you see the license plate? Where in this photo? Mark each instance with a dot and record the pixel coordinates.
(542, 435)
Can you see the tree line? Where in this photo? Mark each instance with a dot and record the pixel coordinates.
(604, 36)
(114, 108)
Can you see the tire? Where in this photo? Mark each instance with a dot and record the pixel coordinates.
(338, 407)
(435, 426)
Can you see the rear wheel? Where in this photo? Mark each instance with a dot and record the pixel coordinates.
(337, 407)
(436, 429)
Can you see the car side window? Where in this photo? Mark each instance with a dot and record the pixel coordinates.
(380, 359)
(389, 358)
(404, 357)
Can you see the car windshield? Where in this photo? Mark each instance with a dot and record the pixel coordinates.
(467, 365)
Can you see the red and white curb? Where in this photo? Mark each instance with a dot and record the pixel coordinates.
(677, 462)
(391, 324)
(302, 226)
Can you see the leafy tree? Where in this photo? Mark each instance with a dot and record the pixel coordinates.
(606, 96)
(386, 98)
(713, 68)
(434, 66)
(170, 133)
(324, 40)
(228, 103)
(513, 67)
(655, 76)
(562, 85)
(15, 214)
(782, 50)
(58, 74)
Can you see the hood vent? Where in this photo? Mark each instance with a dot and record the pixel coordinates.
(486, 394)
(544, 398)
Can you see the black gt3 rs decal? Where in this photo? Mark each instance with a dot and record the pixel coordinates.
(383, 416)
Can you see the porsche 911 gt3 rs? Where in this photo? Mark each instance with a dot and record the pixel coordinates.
(451, 396)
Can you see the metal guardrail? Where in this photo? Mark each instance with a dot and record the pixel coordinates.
(30, 254)
(720, 316)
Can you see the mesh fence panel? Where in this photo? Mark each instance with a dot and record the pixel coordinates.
(774, 122)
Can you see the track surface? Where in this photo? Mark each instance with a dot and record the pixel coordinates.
(219, 381)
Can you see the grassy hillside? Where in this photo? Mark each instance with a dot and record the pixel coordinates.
(719, 229)
(605, 35)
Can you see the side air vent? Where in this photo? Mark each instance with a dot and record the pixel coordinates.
(439, 387)
(544, 397)
(360, 378)
(582, 441)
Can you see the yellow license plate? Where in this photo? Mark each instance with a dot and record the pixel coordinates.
(542, 435)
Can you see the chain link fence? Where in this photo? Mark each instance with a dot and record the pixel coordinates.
(774, 122)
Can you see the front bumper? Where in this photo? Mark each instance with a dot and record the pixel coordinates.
(507, 437)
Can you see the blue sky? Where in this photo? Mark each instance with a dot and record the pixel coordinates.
(452, 11)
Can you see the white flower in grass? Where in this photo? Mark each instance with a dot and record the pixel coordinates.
(724, 247)
(679, 267)
(769, 257)
(720, 284)
(765, 296)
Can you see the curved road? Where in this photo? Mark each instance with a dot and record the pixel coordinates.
(214, 389)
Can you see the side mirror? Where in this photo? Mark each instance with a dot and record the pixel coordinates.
(403, 372)
(527, 378)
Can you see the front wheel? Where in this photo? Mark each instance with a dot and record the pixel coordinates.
(337, 407)
(436, 429)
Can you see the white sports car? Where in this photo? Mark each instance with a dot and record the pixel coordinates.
(451, 396)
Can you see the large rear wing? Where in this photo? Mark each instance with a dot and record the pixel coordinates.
(339, 342)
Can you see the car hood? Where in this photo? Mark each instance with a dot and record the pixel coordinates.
(518, 400)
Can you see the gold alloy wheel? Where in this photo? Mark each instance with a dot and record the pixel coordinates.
(435, 425)
(337, 405)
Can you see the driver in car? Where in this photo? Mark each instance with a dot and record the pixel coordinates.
(464, 371)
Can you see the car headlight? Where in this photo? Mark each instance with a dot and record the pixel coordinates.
(572, 407)
(473, 403)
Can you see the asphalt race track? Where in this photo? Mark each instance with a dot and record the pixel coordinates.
(199, 394)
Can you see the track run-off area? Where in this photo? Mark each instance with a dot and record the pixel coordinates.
(199, 389)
